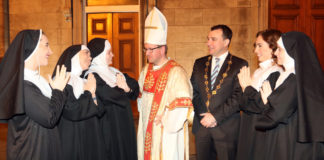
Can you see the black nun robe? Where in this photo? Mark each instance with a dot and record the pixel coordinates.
(117, 124)
(251, 141)
(32, 117)
(293, 122)
(79, 126)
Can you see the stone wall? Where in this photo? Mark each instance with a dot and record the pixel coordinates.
(48, 15)
(190, 21)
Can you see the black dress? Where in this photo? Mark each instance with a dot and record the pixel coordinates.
(251, 141)
(279, 122)
(34, 135)
(118, 124)
(79, 127)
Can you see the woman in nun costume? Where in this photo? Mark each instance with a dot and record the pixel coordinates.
(31, 106)
(114, 90)
(250, 142)
(79, 125)
(293, 122)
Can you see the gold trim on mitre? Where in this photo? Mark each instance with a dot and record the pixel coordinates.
(155, 28)
(151, 27)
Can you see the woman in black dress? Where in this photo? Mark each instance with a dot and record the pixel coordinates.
(114, 91)
(250, 142)
(31, 106)
(79, 125)
(294, 118)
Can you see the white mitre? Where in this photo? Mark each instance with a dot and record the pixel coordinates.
(156, 28)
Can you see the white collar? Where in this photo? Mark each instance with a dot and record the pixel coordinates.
(221, 57)
(266, 64)
(155, 67)
(39, 81)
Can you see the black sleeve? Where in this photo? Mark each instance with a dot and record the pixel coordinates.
(232, 103)
(196, 100)
(41, 109)
(251, 100)
(133, 85)
(81, 108)
(282, 104)
(107, 94)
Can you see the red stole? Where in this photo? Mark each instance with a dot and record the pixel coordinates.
(155, 82)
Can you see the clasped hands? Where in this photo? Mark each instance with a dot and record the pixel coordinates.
(208, 120)
(245, 80)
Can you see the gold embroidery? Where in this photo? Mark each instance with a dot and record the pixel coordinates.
(224, 75)
(184, 102)
(149, 82)
(148, 142)
(162, 82)
(154, 110)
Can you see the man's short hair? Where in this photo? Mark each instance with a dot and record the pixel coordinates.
(227, 32)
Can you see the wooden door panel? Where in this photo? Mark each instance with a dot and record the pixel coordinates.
(317, 35)
(285, 4)
(99, 26)
(125, 42)
(286, 22)
(300, 15)
(127, 58)
(317, 4)
(125, 46)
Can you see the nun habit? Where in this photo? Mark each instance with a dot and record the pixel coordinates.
(293, 122)
(79, 126)
(31, 108)
(117, 124)
(251, 141)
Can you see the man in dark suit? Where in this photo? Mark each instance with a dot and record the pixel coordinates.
(216, 94)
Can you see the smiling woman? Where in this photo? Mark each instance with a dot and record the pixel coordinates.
(30, 105)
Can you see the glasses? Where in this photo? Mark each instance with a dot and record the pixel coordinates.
(150, 50)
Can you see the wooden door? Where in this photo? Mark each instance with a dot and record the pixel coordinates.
(300, 15)
(121, 29)
(125, 43)
(125, 46)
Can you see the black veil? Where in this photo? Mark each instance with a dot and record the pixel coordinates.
(12, 72)
(310, 86)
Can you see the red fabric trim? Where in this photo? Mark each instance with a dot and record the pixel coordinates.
(160, 80)
(180, 103)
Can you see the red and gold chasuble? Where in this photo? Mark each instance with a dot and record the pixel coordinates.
(155, 82)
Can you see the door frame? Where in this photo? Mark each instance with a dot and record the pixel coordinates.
(111, 9)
